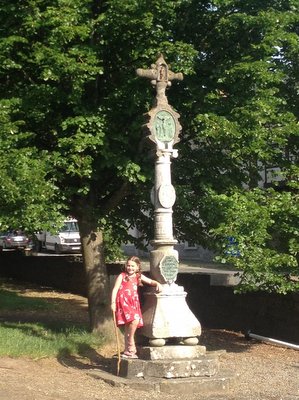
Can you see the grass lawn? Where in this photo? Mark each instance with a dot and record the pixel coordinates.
(39, 338)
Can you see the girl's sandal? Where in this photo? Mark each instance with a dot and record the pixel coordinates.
(129, 354)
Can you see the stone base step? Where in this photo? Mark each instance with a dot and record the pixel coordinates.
(205, 365)
(222, 383)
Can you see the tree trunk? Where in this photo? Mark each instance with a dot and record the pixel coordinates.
(98, 289)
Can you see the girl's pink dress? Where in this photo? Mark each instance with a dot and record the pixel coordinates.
(127, 301)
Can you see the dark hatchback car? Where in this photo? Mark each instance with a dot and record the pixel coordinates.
(15, 239)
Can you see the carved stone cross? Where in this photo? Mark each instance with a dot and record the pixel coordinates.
(161, 77)
(166, 315)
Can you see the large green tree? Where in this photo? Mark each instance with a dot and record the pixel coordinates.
(241, 118)
(71, 113)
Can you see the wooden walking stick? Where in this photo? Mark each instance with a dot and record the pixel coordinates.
(117, 342)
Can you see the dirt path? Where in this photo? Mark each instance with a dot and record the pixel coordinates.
(263, 371)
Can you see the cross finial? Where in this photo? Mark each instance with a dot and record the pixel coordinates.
(161, 77)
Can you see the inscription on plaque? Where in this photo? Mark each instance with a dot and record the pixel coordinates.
(169, 267)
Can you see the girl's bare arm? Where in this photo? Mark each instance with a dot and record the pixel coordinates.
(114, 292)
(151, 282)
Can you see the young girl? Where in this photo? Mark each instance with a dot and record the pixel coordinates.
(125, 302)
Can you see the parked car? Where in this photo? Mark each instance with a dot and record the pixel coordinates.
(66, 239)
(15, 239)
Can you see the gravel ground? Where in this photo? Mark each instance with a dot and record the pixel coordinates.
(262, 371)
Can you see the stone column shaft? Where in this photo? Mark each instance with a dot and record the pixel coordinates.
(166, 314)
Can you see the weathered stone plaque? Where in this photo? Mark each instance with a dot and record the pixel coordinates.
(164, 126)
(166, 195)
(169, 267)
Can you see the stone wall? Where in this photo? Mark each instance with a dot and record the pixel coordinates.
(272, 315)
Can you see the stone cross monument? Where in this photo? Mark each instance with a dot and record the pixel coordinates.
(166, 314)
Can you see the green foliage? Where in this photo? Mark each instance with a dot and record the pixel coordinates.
(264, 228)
(242, 117)
(71, 111)
(67, 69)
(25, 193)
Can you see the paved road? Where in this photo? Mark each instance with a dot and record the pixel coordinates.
(219, 276)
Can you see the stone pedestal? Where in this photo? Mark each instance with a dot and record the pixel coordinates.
(176, 369)
(167, 315)
(202, 366)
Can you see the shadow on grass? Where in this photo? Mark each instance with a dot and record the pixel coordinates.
(38, 329)
(11, 300)
(17, 304)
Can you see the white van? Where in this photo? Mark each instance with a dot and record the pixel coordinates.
(66, 240)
